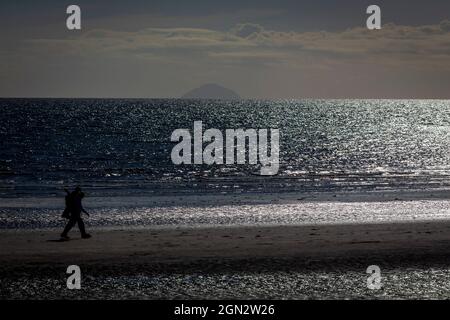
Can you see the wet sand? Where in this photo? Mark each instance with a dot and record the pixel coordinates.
(327, 261)
(202, 199)
(182, 244)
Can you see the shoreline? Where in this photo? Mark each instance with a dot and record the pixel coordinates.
(150, 200)
(232, 210)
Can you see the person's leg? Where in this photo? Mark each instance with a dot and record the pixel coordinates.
(81, 227)
(69, 226)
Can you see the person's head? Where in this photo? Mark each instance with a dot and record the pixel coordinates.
(77, 189)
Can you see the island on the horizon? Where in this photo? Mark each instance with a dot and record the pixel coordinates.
(211, 91)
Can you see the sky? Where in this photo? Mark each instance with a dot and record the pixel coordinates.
(260, 49)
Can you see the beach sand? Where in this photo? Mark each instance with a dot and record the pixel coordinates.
(307, 261)
(233, 242)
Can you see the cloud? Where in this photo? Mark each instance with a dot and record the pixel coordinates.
(394, 44)
(245, 30)
(445, 26)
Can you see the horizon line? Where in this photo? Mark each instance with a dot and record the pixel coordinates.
(242, 98)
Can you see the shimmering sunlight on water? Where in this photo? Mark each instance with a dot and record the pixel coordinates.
(124, 146)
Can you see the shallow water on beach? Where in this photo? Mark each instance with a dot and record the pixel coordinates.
(340, 283)
(225, 215)
(122, 147)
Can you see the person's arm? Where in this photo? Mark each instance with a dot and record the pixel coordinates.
(82, 209)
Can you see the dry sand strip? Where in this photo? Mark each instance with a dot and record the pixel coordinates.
(216, 243)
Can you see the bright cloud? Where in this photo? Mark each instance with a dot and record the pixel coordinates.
(394, 44)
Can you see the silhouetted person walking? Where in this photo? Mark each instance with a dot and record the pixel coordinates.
(68, 198)
(74, 207)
